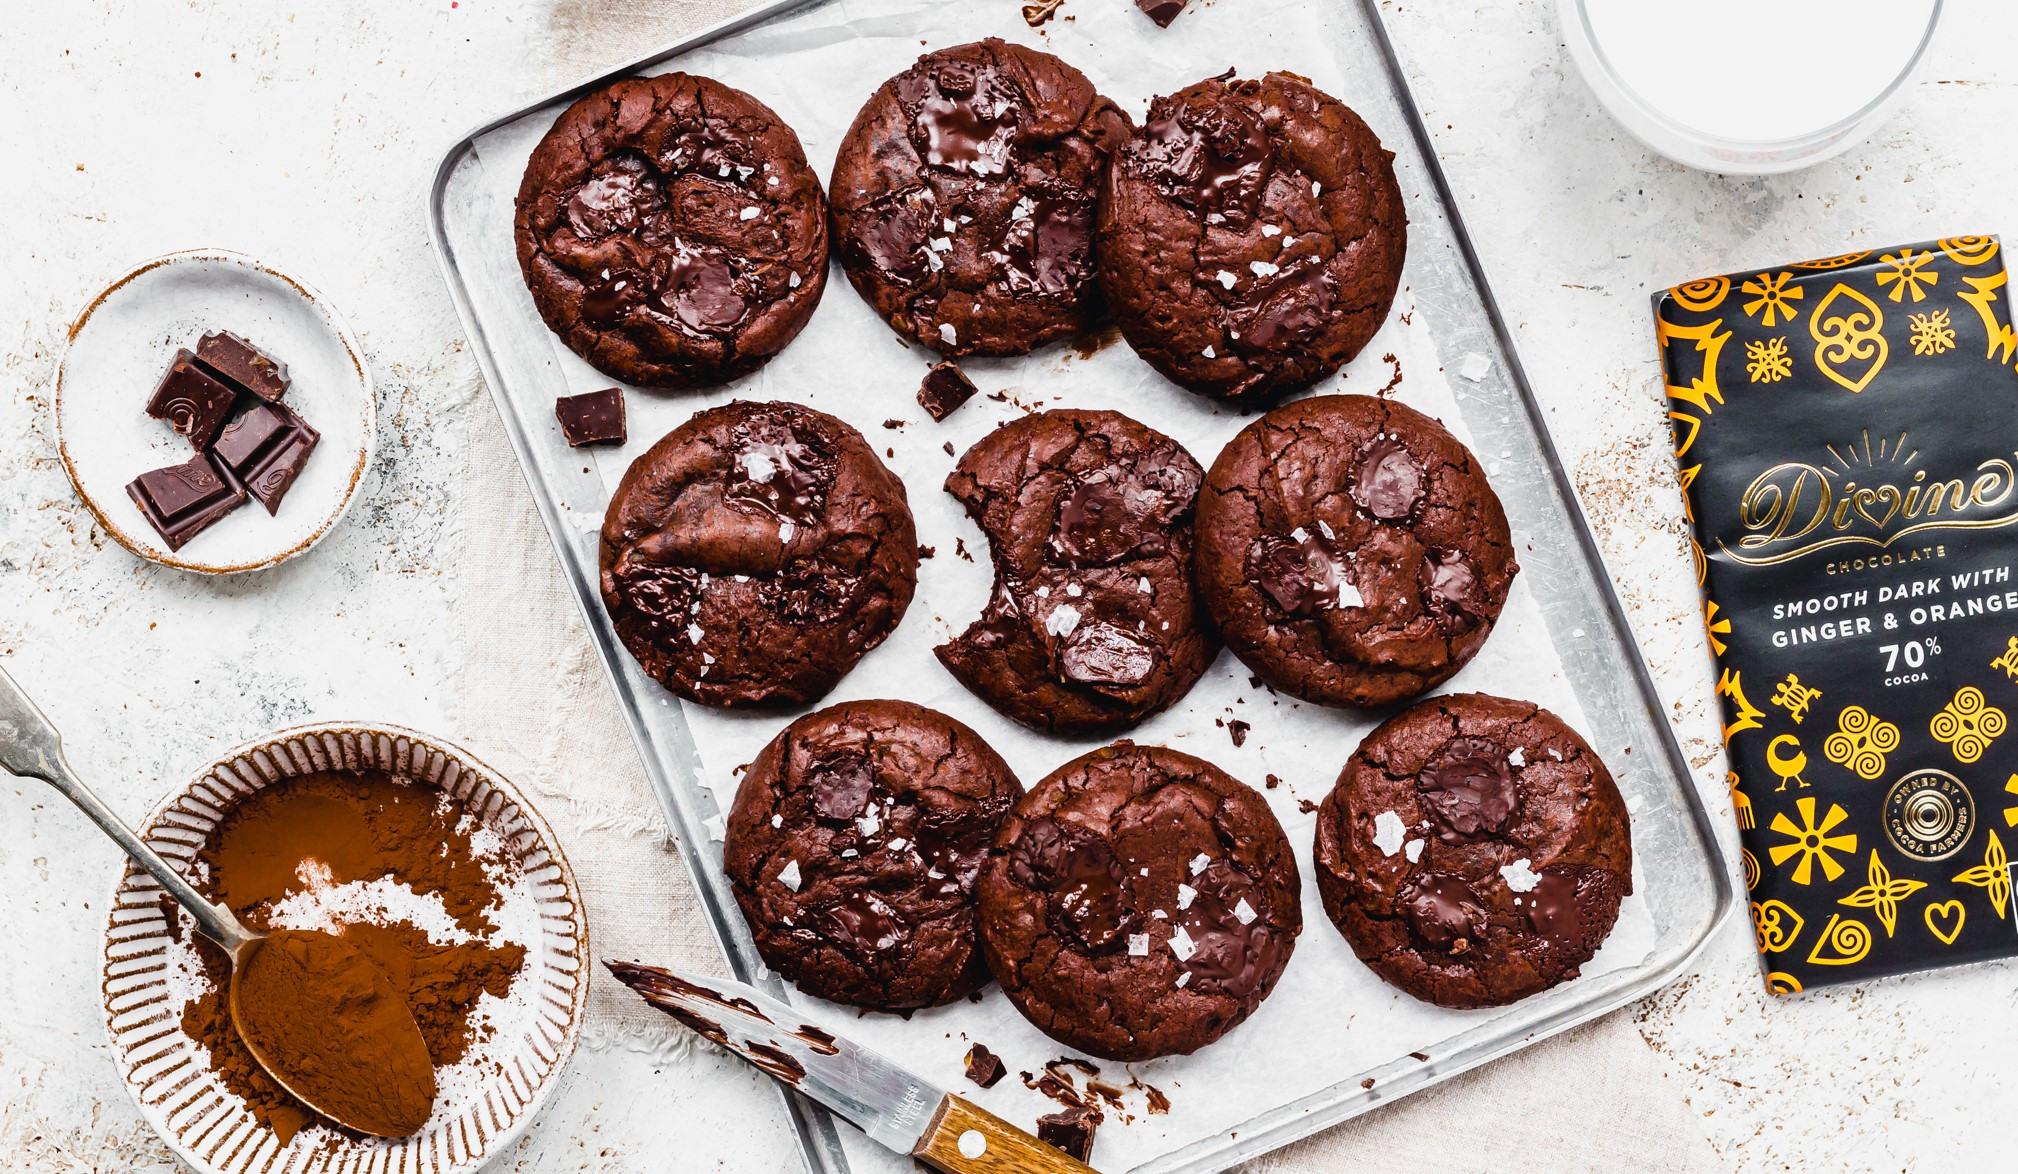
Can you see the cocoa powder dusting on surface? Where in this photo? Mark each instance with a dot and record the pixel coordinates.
(315, 833)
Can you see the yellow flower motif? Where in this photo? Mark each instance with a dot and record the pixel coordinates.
(1811, 841)
(1905, 275)
(1768, 361)
(1773, 298)
(1933, 334)
(1861, 742)
(1993, 876)
(1968, 724)
(2011, 813)
(1883, 892)
(1718, 627)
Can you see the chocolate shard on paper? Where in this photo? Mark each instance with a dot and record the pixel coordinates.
(1162, 11)
(1070, 1130)
(265, 449)
(1847, 435)
(242, 365)
(193, 401)
(984, 1067)
(182, 501)
(595, 417)
(946, 387)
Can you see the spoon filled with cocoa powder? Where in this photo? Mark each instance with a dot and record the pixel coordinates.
(315, 1012)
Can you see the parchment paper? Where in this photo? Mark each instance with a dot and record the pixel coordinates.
(1330, 1018)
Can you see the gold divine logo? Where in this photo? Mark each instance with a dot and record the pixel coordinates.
(1866, 495)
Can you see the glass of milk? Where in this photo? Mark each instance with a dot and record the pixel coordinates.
(1749, 87)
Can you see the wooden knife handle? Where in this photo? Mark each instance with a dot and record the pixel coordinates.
(964, 1138)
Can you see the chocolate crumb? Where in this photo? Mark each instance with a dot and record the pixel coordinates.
(1305, 806)
(960, 548)
(1035, 13)
(1366, 1083)
(1271, 781)
(1421, 1056)
(925, 552)
(894, 423)
(948, 446)
(1237, 729)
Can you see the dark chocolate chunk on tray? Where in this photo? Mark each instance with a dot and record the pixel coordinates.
(1070, 1130)
(265, 448)
(593, 417)
(1162, 11)
(182, 501)
(192, 400)
(984, 1067)
(242, 365)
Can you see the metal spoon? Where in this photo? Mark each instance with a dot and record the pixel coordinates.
(31, 748)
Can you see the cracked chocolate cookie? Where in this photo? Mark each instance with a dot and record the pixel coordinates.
(670, 231)
(853, 847)
(1351, 551)
(754, 554)
(1251, 237)
(1138, 903)
(1474, 851)
(964, 198)
(1093, 623)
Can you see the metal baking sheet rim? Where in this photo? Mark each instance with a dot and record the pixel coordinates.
(818, 1142)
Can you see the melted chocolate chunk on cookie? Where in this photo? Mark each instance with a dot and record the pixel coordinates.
(1139, 902)
(1474, 851)
(1092, 623)
(1250, 237)
(1388, 481)
(1450, 583)
(1303, 574)
(1216, 159)
(1444, 912)
(1235, 944)
(964, 198)
(863, 924)
(756, 553)
(853, 847)
(840, 786)
(779, 471)
(1469, 788)
(670, 231)
(1082, 877)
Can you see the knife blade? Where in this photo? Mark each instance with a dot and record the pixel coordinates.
(894, 1107)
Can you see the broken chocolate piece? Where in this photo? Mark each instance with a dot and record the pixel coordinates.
(595, 417)
(182, 501)
(946, 387)
(265, 448)
(242, 365)
(983, 1066)
(1070, 1130)
(192, 400)
(1162, 11)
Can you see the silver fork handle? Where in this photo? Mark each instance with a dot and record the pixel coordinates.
(30, 747)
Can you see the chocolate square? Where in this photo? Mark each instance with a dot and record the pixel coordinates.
(192, 400)
(946, 387)
(1070, 1130)
(595, 417)
(983, 1066)
(182, 501)
(265, 449)
(242, 365)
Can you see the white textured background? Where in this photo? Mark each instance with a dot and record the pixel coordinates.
(131, 127)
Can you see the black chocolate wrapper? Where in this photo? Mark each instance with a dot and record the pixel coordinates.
(1847, 431)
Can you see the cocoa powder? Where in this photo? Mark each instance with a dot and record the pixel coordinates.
(319, 831)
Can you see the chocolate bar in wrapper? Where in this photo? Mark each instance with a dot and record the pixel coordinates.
(1847, 433)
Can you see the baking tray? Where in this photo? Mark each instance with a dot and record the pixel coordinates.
(1684, 883)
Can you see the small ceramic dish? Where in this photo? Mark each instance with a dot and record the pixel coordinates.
(487, 1099)
(116, 353)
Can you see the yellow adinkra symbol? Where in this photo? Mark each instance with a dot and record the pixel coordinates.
(1849, 340)
(1742, 803)
(1810, 842)
(1967, 724)
(1773, 298)
(1744, 715)
(1861, 742)
(1786, 766)
(1844, 942)
(1794, 697)
(1882, 892)
(1933, 333)
(1993, 876)
(1776, 924)
(2008, 659)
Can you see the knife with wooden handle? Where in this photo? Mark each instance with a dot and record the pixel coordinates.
(895, 1108)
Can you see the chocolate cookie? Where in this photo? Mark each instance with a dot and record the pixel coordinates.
(670, 231)
(1251, 237)
(964, 196)
(1474, 851)
(1139, 902)
(755, 554)
(1093, 623)
(853, 847)
(1351, 551)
